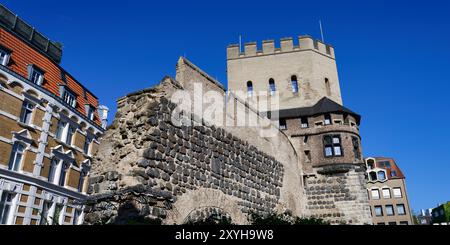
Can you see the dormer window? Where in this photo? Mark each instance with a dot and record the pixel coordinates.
(35, 75)
(69, 98)
(4, 57)
(90, 112)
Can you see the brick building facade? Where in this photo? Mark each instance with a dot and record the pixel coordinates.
(49, 128)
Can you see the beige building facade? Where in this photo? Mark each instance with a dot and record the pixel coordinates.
(387, 193)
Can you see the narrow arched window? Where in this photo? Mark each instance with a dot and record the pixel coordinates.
(249, 89)
(272, 86)
(328, 86)
(16, 156)
(294, 84)
(63, 173)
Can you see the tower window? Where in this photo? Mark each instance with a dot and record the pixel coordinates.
(283, 125)
(294, 84)
(332, 146)
(249, 89)
(27, 111)
(272, 86)
(304, 122)
(16, 156)
(328, 86)
(327, 119)
(356, 150)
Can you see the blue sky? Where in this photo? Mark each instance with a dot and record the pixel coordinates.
(393, 61)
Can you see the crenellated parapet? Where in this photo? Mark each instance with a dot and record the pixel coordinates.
(286, 46)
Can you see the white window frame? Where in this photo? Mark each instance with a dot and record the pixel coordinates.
(12, 206)
(27, 107)
(13, 165)
(69, 98)
(36, 76)
(64, 130)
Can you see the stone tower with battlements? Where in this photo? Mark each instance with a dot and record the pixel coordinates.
(300, 75)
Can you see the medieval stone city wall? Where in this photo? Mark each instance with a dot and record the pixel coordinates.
(149, 167)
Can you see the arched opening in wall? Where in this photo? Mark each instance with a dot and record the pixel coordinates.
(294, 84)
(249, 88)
(272, 86)
(328, 87)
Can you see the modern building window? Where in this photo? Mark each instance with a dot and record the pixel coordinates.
(384, 164)
(327, 120)
(397, 192)
(294, 84)
(283, 125)
(393, 173)
(16, 156)
(378, 211)
(381, 175)
(6, 206)
(272, 86)
(375, 194)
(393, 223)
(386, 193)
(328, 86)
(389, 210)
(381, 223)
(356, 150)
(44, 214)
(372, 176)
(35, 75)
(4, 57)
(304, 122)
(69, 98)
(404, 223)
(332, 145)
(401, 209)
(26, 112)
(249, 89)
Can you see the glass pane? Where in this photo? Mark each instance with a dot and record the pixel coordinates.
(381, 175)
(327, 140)
(17, 161)
(336, 140)
(328, 151)
(337, 151)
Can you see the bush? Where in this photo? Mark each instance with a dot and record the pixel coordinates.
(283, 219)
